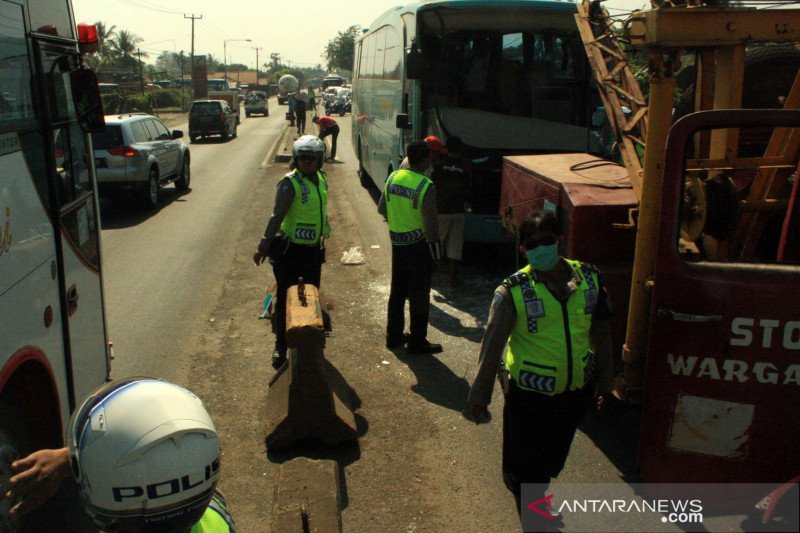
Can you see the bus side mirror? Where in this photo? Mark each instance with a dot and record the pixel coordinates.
(415, 63)
(87, 101)
(401, 122)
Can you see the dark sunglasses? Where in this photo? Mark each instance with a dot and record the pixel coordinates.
(306, 158)
(545, 239)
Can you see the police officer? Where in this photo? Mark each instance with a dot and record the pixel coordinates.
(409, 204)
(554, 315)
(295, 233)
(130, 443)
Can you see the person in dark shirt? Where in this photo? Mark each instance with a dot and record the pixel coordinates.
(452, 176)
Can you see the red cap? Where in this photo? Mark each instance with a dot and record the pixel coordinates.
(435, 144)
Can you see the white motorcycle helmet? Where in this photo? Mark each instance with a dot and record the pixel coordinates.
(146, 456)
(309, 145)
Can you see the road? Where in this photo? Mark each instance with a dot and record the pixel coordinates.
(182, 299)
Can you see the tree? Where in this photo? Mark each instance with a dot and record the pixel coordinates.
(105, 35)
(340, 51)
(123, 48)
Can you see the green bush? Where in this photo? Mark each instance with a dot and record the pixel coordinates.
(137, 102)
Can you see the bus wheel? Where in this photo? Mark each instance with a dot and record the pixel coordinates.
(363, 176)
(14, 443)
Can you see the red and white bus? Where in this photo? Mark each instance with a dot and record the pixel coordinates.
(53, 347)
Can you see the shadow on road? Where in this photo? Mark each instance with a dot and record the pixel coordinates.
(125, 211)
(435, 381)
(615, 432)
(344, 454)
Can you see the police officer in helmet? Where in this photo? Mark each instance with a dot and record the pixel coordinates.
(145, 455)
(295, 233)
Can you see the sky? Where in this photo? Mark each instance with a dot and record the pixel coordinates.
(297, 30)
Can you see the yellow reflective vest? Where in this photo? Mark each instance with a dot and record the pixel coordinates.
(307, 219)
(403, 193)
(549, 350)
(216, 519)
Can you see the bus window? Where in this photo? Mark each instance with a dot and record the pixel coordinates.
(57, 67)
(72, 163)
(15, 70)
(52, 17)
(393, 56)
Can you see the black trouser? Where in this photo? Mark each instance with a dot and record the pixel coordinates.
(301, 120)
(537, 434)
(333, 131)
(412, 268)
(298, 262)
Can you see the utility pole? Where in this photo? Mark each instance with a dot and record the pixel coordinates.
(191, 66)
(257, 48)
(183, 92)
(141, 71)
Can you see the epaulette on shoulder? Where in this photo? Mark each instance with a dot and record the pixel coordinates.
(518, 278)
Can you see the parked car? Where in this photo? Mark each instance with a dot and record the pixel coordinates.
(136, 153)
(256, 103)
(212, 117)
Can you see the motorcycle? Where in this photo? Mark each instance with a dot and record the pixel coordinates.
(340, 106)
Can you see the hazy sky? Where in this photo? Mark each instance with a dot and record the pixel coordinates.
(297, 30)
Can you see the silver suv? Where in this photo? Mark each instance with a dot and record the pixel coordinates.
(136, 153)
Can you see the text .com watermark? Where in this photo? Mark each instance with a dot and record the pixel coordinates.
(647, 507)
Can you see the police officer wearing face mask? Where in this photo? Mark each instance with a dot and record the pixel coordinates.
(554, 315)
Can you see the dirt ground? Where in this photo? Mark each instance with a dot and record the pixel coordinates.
(418, 465)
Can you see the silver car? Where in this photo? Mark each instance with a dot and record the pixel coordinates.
(137, 154)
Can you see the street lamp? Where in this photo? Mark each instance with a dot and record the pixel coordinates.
(225, 55)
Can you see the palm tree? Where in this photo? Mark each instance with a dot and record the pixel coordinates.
(124, 46)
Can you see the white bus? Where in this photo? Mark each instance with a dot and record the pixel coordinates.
(53, 348)
(507, 77)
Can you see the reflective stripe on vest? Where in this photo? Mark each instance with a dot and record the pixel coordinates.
(216, 519)
(307, 220)
(404, 193)
(548, 349)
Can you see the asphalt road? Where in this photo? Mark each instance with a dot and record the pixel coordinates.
(183, 295)
(161, 267)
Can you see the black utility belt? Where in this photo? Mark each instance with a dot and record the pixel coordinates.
(301, 245)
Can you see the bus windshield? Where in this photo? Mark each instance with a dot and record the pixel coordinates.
(523, 75)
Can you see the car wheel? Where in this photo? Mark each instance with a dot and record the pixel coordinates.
(266, 113)
(235, 131)
(225, 133)
(247, 115)
(192, 138)
(151, 191)
(182, 183)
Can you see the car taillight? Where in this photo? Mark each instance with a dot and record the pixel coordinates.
(124, 151)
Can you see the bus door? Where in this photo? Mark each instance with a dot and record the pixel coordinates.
(75, 206)
(722, 385)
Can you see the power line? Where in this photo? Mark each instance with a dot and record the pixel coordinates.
(151, 7)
